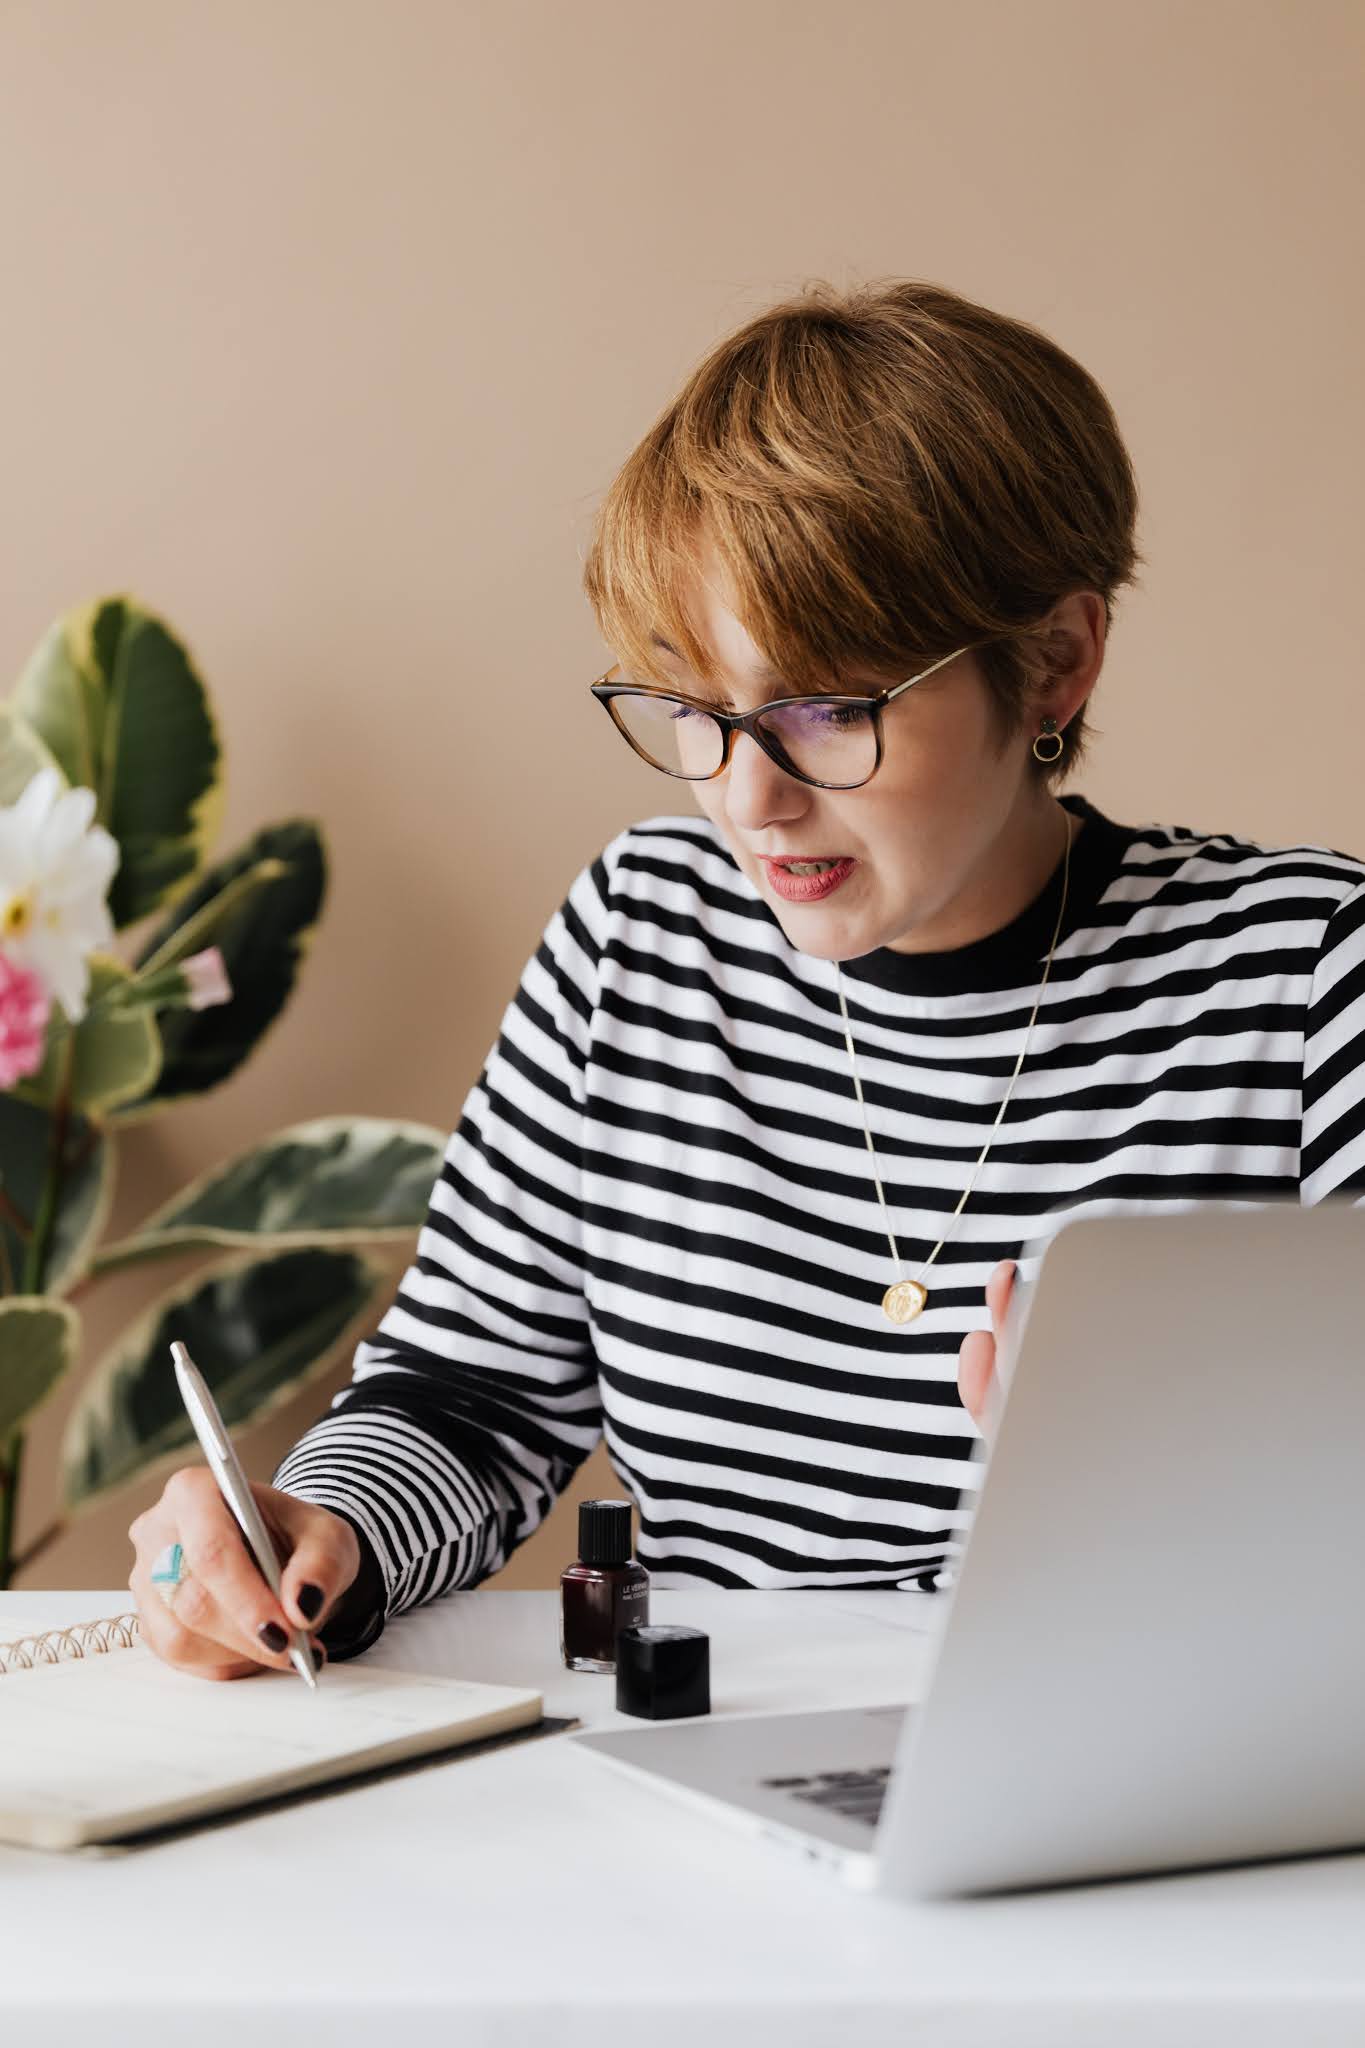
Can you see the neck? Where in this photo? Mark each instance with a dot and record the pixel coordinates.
(1012, 873)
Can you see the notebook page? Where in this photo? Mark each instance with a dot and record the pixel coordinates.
(100, 1745)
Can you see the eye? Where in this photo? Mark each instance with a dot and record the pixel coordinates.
(837, 717)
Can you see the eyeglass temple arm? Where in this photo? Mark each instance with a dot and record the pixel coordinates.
(889, 696)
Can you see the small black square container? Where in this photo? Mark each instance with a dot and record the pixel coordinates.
(663, 1673)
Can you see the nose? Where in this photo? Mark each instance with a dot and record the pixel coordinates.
(757, 792)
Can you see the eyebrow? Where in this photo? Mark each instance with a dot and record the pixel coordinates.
(764, 673)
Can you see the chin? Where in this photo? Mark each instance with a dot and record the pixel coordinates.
(829, 939)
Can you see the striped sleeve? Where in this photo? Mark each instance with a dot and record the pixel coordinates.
(1332, 1156)
(476, 1399)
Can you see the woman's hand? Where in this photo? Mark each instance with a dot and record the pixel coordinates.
(226, 1622)
(976, 1359)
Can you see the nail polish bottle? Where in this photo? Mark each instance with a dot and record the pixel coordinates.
(604, 1591)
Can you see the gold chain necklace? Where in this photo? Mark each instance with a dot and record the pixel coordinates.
(904, 1299)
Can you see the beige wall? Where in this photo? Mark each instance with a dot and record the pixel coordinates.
(326, 325)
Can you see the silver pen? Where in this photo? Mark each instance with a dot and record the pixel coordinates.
(216, 1445)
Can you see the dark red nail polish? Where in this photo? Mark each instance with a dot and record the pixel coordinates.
(310, 1600)
(273, 1636)
(604, 1591)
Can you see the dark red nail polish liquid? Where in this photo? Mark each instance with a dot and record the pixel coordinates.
(604, 1591)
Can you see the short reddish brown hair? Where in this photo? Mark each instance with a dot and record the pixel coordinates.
(886, 473)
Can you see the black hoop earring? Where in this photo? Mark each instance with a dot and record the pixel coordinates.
(1054, 739)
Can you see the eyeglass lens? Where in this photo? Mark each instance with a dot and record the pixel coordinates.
(821, 737)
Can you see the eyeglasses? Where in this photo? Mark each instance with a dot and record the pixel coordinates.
(828, 742)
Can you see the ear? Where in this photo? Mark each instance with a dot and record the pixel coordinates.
(1074, 635)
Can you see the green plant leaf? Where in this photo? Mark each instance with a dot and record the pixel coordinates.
(63, 702)
(364, 1179)
(118, 1052)
(262, 937)
(22, 754)
(258, 1330)
(87, 1188)
(115, 697)
(38, 1341)
(190, 934)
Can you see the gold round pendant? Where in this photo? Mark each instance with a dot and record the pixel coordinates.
(903, 1302)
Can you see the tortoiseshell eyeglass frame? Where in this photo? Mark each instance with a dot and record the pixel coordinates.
(730, 722)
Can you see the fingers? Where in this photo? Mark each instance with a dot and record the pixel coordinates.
(324, 1558)
(999, 1288)
(225, 1598)
(214, 1625)
(976, 1358)
(975, 1368)
(176, 1644)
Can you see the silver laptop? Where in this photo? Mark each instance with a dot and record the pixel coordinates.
(1154, 1655)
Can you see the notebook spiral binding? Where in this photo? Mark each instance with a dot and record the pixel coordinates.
(83, 1639)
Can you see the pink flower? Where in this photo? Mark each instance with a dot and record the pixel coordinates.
(24, 1006)
(207, 979)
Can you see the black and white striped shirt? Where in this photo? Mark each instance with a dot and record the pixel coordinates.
(656, 1217)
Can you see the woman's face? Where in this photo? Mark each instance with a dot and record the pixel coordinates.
(952, 837)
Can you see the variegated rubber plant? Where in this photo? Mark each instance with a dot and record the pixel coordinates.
(111, 702)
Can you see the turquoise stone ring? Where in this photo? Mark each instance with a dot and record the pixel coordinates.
(168, 1571)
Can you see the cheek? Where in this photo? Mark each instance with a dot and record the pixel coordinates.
(893, 833)
(917, 823)
(706, 797)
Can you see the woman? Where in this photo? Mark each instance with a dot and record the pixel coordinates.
(790, 1090)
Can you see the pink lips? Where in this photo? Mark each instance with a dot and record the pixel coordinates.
(807, 888)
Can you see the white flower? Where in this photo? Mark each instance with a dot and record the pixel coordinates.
(55, 871)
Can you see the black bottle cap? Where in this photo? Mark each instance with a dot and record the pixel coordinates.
(663, 1673)
(604, 1532)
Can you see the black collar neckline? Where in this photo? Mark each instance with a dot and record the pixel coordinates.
(1015, 954)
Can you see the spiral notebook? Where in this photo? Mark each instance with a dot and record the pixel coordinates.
(97, 1746)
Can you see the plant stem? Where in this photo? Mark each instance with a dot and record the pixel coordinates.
(9, 1496)
(36, 1262)
(87, 1146)
(11, 1213)
(22, 1228)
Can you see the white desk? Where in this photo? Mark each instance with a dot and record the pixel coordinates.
(532, 1895)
